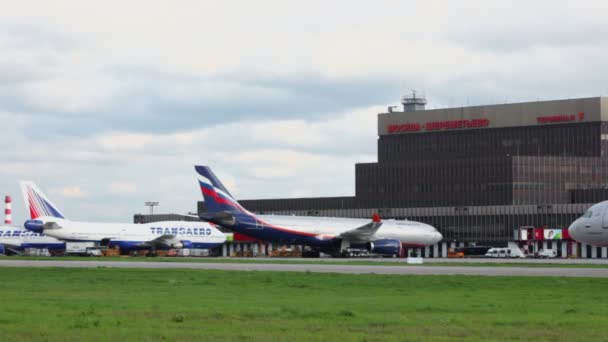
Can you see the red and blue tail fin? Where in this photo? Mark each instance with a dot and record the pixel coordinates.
(37, 203)
(217, 198)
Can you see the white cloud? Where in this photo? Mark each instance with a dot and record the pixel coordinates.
(287, 132)
(250, 166)
(122, 187)
(71, 192)
(70, 95)
(125, 141)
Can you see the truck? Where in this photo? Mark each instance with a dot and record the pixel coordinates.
(82, 249)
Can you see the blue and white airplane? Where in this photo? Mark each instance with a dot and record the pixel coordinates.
(47, 219)
(330, 235)
(18, 238)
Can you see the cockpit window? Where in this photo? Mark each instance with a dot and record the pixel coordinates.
(588, 213)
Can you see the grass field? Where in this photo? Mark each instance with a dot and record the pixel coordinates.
(328, 261)
(105, 304)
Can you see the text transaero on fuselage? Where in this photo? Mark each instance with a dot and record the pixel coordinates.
(329, 234)
(592, 227)
(47, 219)
(19, 238)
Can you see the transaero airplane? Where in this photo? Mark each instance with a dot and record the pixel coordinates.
(329, 234)
(19, 238)
(47, 219)
(592, 227)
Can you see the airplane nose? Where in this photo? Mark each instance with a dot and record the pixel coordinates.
(438, 237)
(435, 235)
(576, 230)
(572, 229)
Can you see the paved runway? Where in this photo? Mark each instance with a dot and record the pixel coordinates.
(448, 260)
(356, 269)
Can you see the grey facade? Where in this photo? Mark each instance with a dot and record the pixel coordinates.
(478, 173)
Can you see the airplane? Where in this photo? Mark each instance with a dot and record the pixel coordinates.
(46, 218)
(331, 235)
(17, 238)
(592, 227)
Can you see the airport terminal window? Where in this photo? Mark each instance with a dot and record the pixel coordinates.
(533, 141)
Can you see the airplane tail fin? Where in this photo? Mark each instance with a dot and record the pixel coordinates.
(217, 198)
(36, 201)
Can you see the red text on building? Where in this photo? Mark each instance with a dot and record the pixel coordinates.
(438, 125)
(560, 118)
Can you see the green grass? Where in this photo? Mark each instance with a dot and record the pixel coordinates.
(401, 262)
(148, 304)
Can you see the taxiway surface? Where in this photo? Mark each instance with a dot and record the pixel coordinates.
(325, 268)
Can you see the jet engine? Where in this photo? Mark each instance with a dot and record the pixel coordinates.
(386, 247)
(35, 226)
(182, 244)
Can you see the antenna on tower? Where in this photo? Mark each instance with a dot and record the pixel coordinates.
(413, 103)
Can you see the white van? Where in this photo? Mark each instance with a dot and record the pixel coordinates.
(546, 253)
(504, 252)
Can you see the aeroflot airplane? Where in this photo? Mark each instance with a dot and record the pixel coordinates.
(329, 234)
(47, 219)
(18, 238)
(592, 227)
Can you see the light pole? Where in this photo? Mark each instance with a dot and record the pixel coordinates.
(151, 205)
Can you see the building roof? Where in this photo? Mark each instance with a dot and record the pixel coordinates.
(593, 109)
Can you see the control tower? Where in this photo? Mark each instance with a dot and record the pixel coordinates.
(413, 103)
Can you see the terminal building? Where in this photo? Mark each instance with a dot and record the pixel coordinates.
(484, 175)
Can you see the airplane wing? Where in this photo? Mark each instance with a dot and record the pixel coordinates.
(51, 225)
(363, 233)
(166, 240)
(10, 245)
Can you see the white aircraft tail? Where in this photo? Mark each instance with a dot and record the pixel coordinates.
(36, 201)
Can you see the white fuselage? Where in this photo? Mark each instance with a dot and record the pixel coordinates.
(22, 238)
(195, 232)
(408, 232)
(592, 227)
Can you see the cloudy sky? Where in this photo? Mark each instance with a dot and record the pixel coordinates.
(107, 104)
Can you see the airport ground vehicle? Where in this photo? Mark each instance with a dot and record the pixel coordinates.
(111, 251)
(505, 252)
(82, 249)
(455, 253)
(468, 252)
(356, 253)
(287, 252)
(546, 253)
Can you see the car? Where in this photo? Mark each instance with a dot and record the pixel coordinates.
(546, 253)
